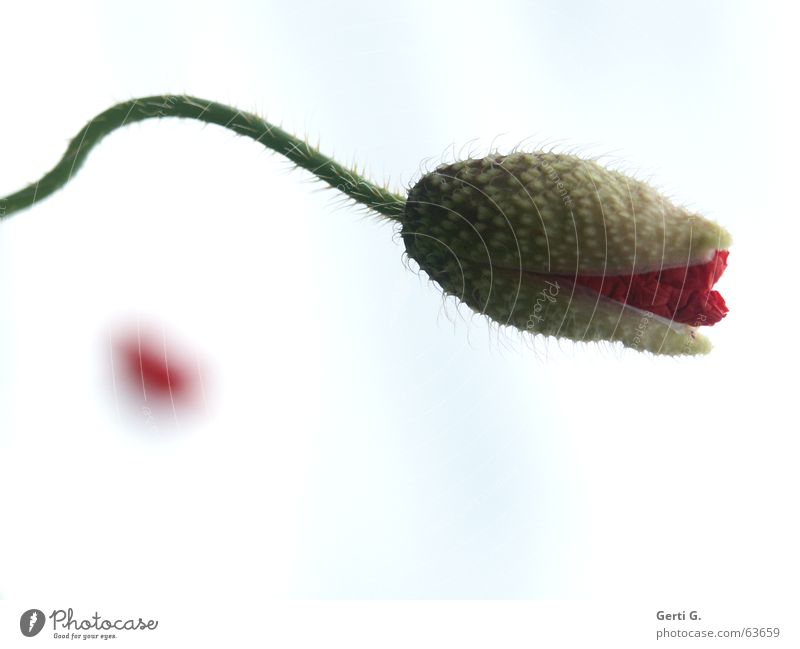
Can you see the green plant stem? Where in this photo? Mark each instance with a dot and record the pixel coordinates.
(298, 151)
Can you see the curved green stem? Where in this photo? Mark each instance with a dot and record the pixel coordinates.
(298, 151)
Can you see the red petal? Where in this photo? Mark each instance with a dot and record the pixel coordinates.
(682, 294)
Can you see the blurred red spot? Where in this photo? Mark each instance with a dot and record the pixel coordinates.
(153, 371)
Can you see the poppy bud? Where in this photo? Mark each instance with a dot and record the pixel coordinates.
(557, 245)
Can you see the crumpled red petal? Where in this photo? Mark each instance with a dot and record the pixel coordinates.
(683, 294)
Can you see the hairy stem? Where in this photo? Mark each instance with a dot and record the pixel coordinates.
(298, 151)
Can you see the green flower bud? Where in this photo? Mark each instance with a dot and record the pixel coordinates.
(517, 238)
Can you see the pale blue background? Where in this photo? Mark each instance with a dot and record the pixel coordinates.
(363, 437)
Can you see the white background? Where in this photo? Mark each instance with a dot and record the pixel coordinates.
(361, 436)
